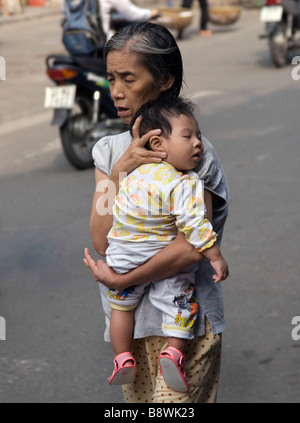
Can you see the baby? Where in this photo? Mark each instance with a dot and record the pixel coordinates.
(154, 202)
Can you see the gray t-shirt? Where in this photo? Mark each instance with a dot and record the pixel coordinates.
(148, 320)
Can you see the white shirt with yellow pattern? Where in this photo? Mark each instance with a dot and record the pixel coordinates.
(154, 202)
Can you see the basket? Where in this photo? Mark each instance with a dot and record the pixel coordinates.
(224, 15)
(176, 18)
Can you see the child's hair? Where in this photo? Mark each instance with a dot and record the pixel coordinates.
(156, 115)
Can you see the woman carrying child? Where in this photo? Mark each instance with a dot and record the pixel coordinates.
(143, 64)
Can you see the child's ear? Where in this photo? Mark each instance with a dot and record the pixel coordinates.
(156, 143)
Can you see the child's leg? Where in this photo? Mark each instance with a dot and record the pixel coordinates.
(123, 305)
(178, 343)
(121, 335)
(121, 331)
(174, 297)
(172, 365)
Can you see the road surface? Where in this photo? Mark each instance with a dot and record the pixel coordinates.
(54, 350)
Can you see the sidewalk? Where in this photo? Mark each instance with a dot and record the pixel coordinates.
(31, 12)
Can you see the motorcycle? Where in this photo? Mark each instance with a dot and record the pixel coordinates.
(83, 108)
(282, 19)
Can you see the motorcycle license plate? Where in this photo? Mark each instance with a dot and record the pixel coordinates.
(60, 97)
(271, 14)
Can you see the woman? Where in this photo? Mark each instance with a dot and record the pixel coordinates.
(143, 63)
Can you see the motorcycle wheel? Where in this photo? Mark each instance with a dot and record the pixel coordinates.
(279, 46)
(76, 140)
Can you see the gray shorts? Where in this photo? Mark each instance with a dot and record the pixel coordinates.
(174, 297)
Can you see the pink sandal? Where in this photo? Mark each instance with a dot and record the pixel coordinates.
(123, 375)
(172, 366)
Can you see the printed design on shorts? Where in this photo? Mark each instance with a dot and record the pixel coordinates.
(119, 295)
(188, 308)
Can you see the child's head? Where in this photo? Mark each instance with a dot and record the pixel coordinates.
(180, 134)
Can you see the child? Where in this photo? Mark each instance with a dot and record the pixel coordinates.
(154, 202)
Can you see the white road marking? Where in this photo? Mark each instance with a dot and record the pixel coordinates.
(49, 147)
(205, 94)
(24, 123)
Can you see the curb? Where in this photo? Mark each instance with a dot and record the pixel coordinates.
(30, 13)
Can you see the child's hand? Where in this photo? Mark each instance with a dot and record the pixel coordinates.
(221, 267)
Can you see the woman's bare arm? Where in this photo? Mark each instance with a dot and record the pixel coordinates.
(101, 219)
(172, 259)
(209, 205)
(168, 262)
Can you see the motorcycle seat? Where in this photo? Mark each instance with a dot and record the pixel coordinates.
(91, 64)
(59, 59)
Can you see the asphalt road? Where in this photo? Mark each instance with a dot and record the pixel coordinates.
(54, 351)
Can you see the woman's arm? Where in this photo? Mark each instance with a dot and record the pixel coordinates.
(171, 260)
(177, 256)
(101, 219)
(209, 207)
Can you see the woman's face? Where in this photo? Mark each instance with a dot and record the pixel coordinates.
(131, 84)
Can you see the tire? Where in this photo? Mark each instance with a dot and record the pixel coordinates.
(279, 46)
(77, 144)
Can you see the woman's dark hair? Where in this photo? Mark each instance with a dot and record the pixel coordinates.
(157, 50)
(157, 114)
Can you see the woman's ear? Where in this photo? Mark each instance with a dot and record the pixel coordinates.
(168, 83)
(156, 143)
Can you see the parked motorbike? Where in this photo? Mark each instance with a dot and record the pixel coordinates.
(83, 108)
(282, 19)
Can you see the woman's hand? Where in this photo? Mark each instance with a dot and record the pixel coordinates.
(137, 154)
(161, 266)
(102, 272)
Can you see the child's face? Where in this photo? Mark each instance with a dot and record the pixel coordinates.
(184, 146)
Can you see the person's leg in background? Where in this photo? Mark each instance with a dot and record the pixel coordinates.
(204, 19)
(187, 4)
(204, 31)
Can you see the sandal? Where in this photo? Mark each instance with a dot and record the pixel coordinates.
(172, 366)
(123, 375)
